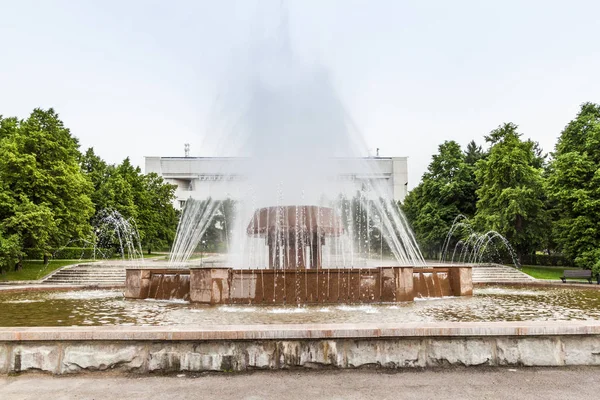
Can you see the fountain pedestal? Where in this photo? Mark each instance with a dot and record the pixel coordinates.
(210, 285)
(295, 274)
(293, 231)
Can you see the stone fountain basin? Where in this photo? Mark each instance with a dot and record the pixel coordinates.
(222, 285)
(380, 343)
(272, 347)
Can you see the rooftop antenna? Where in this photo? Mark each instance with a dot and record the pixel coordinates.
(187, 149)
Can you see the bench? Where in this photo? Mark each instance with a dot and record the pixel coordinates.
(577, 274)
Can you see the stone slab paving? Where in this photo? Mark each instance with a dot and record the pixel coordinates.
(453, 383)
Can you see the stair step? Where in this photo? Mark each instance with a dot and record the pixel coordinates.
(87, 274)
(500, 274)
(86, 280)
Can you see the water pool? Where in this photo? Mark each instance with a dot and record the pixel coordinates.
(108, 307)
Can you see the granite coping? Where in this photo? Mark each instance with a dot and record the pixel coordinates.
(299, 331)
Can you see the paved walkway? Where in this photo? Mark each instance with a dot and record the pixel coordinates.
(464, 384)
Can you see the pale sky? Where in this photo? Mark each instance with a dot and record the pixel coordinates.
(139, 78)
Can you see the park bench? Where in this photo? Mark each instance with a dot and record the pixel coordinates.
(577, 274)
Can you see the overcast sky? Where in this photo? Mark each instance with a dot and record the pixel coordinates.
(139, 78)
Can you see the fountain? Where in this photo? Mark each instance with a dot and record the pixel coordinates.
(291, 231)
(294, 237)
(112, 229)
(305, 230)
(303, 239)
(475, 246)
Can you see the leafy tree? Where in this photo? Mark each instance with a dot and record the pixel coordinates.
(574, 188)
(10, 250)
(45, 194)
(98, 171)
(473, 153)
(11, 244)
(146, 199)
(158, 218)
(446, 190)
(511, 190)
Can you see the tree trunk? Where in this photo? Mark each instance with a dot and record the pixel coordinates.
(45, 259)
(19, 265)
(519, 258)
(149, 250)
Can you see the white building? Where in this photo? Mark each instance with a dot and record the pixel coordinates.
(203, 177)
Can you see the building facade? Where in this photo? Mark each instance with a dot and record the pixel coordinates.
(203, 177)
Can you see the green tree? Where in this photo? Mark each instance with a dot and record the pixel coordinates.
(45, 194)
(10, 251)
(511, 196)
(473, 153)
(574, 188)
(158, 218)
(146, 199)
(446, 190)
(98, 172)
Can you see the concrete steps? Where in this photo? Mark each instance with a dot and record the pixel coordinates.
(496, 273)
(86, 274)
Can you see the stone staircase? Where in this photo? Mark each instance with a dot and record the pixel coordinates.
(87, 274)
(98, 274)
(497, 273)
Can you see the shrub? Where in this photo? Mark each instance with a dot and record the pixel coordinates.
(555, 260)
(70, 253)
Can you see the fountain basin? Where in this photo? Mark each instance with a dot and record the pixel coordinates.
(498, 326)
(230, 348)
(212, 285)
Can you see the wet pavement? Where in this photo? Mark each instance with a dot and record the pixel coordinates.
(454, 383)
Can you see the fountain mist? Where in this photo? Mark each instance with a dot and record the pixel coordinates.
(296, 144)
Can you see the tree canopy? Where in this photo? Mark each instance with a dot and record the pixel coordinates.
(539, 206)
(446, 190)
(511, 190)
(144, 198)
(45, 199)
(50, 192)
(574, 188)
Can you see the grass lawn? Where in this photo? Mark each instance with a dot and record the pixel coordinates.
(545, 272)
(35, 269)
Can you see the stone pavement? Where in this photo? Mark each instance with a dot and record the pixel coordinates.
(454, 383)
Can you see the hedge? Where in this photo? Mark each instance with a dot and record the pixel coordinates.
(555, 260)
(70, 253)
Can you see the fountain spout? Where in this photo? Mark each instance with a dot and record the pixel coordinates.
(295, 234)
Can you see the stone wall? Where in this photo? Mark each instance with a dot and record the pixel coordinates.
(210, 285)
(278, 347)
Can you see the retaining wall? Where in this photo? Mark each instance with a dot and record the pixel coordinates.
(223, 285)
(240, 348)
